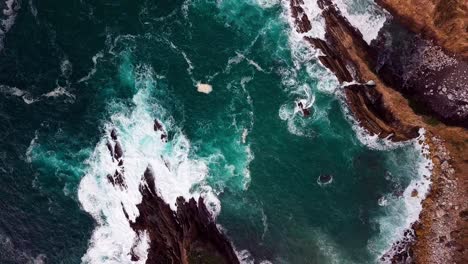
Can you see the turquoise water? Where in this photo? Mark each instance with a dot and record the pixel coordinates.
(71, 70)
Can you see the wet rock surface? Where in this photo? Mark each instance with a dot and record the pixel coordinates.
(189, 235)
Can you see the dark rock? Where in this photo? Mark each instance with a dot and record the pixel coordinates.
(464, 215)
(301, 20)
(158, 126)
(188, 235)
(114, 134)
(118, 151)
(117, 179)
(325, 179)
(442, 239)
(305, 111)
(111, 179)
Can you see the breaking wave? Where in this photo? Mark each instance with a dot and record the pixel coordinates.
(176, 173)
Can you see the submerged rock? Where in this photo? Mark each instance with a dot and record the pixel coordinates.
(159, 127)
(325, 179)
(305, 111)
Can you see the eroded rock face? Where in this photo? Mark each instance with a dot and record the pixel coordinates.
(188, 235)
(444, 21)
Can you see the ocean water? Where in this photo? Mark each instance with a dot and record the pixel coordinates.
(72, 70)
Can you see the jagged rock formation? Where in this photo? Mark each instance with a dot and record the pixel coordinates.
(186, 236)
(441, 232)
(444, 21)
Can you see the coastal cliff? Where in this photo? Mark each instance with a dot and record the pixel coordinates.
(373, 90)
(444, 21)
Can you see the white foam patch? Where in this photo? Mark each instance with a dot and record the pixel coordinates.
(296, 123)
(13, 91)
(30, 99)
(59, 91)
(141, 248)
(373, 141)
(245, 257)
(176, 172)
(95, 59)
(33, 9)
(327, 81)
(32, 145)
(204, 88)
(366, 16)
(267, 3)
(402, 212)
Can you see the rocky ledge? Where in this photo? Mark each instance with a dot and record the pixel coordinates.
(371, 78)
(187, 235)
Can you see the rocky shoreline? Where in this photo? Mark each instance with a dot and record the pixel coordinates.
(373, 90)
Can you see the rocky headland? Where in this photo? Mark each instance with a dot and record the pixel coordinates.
(393, 94)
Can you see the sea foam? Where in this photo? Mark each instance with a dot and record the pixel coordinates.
(176, 172)
(366, 16)
(399, 213)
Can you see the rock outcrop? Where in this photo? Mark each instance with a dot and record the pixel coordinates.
(187, 236)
